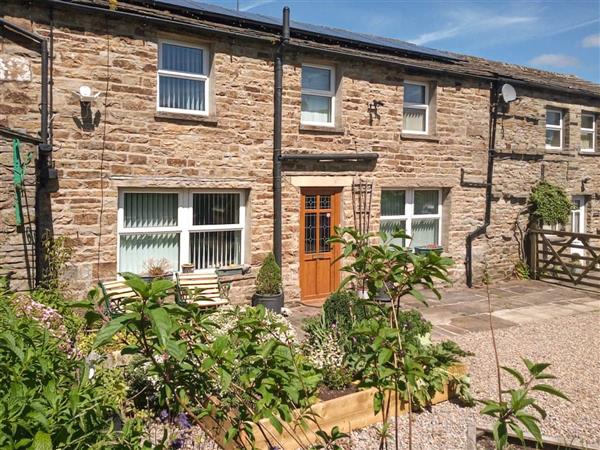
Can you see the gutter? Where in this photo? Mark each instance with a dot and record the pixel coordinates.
(329, 157)
(480, 230)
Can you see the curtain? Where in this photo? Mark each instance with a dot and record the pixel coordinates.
(181, 93)
(414, 119)
(216, 209)
(426, 202)
(390, 225)
(136, 250)
(182, 59)
(316, 108)
(148, 209)
(393, 203)
(212, 249)
(425, 232)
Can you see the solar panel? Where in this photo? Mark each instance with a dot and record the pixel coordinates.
(198, 8)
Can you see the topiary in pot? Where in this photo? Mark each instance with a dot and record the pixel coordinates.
(269, 292)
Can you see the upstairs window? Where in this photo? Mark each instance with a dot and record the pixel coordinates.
(182, 78)
(554, 129)
(417, 211)
(588, 132)
(318, 93)
(416, 108)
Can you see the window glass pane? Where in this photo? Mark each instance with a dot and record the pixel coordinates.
(587, 121)
(136, 250)
(425, 232)
(324, 231)
(393, 203)
(414, 93)
(310, 202)
(216, 209)
(316, 78)
(213, 249)
(426, 202)
(414, 119)
(149, 209)
(325, 201)
(587, 140)
(553, 117)
(182, 59)
(390, 225)
(553, 138)
(310, 233)
(181, 93)
(316, 108)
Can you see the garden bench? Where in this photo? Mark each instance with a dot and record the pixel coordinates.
(202, 289)
(114, 293)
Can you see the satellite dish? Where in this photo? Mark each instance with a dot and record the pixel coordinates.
(508, 93)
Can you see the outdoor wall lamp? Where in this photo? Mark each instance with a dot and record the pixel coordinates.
(373, 110)
(86, 98)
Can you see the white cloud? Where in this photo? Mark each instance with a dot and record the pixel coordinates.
(554, 60)
(254, 4)
(471, 22)
(593, 40)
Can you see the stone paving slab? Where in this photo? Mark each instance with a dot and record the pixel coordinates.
(515, 302)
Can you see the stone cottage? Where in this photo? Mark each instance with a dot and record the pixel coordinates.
(161, 127)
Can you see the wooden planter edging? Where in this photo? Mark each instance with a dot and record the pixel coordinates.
(550, 442)
(349, 412)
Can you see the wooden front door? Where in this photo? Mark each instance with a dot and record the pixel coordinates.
(319, 214)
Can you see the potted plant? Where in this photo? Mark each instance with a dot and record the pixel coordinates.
(157, 268)
(269, 292)
(424, 249)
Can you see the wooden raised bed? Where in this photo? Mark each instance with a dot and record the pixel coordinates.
(481, 438)
(349, 412)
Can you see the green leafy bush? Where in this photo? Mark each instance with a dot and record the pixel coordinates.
(46, 397)
(268, 280)
(343, 308)
(238, 378)
(550, 204)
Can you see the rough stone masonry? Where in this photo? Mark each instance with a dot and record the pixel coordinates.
(124, 143)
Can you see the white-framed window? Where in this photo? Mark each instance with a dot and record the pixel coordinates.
(182, 78)
(206, 228)
(417, 211)
(554, 129)
(318, 95)
(416, 108)
(578, 214)
(588, 132)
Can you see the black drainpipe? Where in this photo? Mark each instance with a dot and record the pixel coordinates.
(494, 97)
(277, 101)
(44, 149)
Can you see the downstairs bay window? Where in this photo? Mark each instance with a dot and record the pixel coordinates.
(205, 228)
(417, 211)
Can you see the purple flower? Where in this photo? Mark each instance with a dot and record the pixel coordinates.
(177, 443)
(163, 415)
(182, 421)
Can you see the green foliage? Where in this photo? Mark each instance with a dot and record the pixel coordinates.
(413, 326)
(57, 253)
(343, 308)
(53, 298)
(522, 270)
(268, 280)
(329, 441)
(550, 204)
(46, 397)
(521, 411)
(238, 378)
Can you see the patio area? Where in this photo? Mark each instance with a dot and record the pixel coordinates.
(516, 302)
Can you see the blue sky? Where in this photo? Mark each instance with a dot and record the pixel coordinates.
(555, 35)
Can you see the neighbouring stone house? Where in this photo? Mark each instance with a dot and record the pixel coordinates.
(174, 157)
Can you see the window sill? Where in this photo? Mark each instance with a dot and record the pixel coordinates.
(232, 278)
(558, 151)
(419, 137)
(321, 129)
(589, 153)
(183, 117)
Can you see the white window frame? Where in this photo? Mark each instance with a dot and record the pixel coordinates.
(409, 210)
(317, 92)
(422, 106)
(555, 127)
(185, 75)
(185, 218)
(580, 199)
(589, 130)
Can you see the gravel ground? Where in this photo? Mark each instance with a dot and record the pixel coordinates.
(571, 345)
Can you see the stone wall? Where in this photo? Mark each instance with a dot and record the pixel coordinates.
(125, 143)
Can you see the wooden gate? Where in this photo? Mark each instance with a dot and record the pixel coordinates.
(568, 258)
